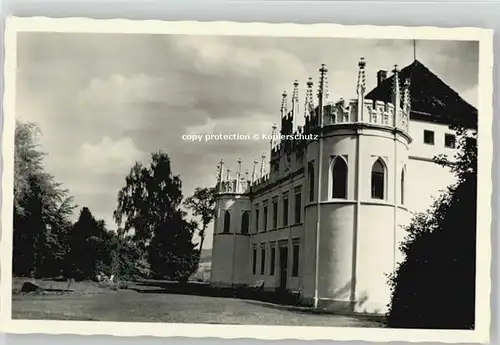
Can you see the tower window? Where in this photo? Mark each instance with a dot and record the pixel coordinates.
(275, 214)
(263, 260)
(227, 222)
(265, 218)
(257, 218)
(403, 186)
(429, 137)
(339, 179)
(254, 261)
(449, 141)
(298, 207)
(245, 220)
(295, 267)
(378, 180)
(273, 261)
(285, 210)
(310, 169)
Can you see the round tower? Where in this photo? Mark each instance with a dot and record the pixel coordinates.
(355, 209)
(231, 243)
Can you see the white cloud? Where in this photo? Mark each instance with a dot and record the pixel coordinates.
(108, 155)
(471, 95)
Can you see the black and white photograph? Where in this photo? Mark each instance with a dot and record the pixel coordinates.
(284, 181)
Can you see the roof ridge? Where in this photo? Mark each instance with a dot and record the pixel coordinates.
(430, 94)
(419, 64)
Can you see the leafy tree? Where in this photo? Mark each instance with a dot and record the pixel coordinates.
(202, 204)
(41, 210)
(28, 160)
(149, 209)
(172, 254)
(151, 195)
(88, 241)
(125, 258)
(434, 287)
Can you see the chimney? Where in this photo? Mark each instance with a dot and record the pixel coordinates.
(381, 75)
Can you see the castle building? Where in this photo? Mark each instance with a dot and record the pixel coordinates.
(326, 220)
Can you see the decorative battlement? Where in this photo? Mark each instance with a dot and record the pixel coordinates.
(240, 183)
(261, 182)
(323, 115)
(393, 114)
(377, 112)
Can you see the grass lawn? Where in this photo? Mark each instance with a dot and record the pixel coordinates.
(91, 303)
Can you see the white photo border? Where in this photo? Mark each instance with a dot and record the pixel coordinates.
(485, 156)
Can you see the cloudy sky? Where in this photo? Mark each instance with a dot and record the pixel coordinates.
(104, 101)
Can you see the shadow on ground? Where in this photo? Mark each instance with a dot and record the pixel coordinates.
(204, 289)
(271, 299)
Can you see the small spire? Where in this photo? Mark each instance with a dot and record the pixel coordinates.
(263, 165)
(396, 95)
(323, 84)
(228, 174)
(221, 170)
(246, 175)
(322, 92)
(361, 87)
(309, 98)
(295, 94)
(237, 180)
(295, 103)
(406, 96)
(273, 135)
(238, 166)
(284, 103)
(254, 171)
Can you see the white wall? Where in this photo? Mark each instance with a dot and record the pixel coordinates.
(425, 178)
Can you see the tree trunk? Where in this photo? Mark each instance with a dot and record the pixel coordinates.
(202, 237)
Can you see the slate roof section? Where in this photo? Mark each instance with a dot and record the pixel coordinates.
(432, 100)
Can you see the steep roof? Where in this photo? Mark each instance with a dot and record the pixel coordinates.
(431, 99)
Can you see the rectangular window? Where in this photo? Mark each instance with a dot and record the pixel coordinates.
(285, 210)
(449, 141)
(273, 261)
(256, 218)
(254, 261)
(263, 261)
(298, 207)
(295, 267)
(471, 141)
(275, 214)
(265, 218)
(310, 171)
(429, 137)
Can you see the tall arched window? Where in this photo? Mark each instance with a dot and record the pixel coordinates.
(403, 186)
(339, 178)
(310, 169)
(227, 221)
(245, 222)
(378, 180)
